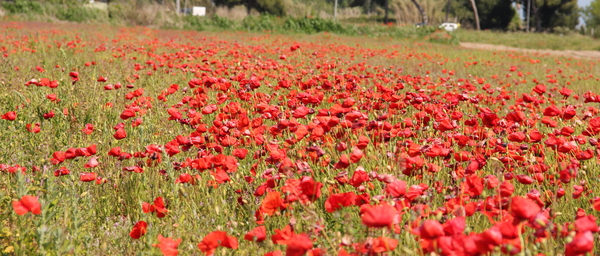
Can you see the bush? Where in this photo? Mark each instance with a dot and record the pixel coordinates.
(312, 25)
(79, 13)
(22, 6)
(259, 23)
(194, 23)
(222, 23)
(442, 36)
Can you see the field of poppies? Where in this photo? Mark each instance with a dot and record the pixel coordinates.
(133, 141)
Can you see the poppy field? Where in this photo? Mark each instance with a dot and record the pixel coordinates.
(134, 141)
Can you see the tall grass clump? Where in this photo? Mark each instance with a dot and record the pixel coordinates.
(313, 25)
(261, 23)
(81, 13)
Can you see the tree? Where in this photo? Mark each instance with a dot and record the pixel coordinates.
(493, 14)
(591, 14)
(275, 7)
(477, 24)
(422, 11)
(549, 14)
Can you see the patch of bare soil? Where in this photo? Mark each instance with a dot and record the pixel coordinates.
(564, 53)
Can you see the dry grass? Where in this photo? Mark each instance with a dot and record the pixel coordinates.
(406, 12)
(152, 15)
(236, 13)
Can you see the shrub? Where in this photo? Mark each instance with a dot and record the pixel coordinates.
(312, 25)
(79, 13)
(22, 6)
(259, 23)
(194, 23)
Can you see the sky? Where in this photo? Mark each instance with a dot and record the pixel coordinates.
(583, 3)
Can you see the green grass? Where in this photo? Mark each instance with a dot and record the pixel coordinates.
(570, 41)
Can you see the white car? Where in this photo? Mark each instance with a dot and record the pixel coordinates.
(450, 26)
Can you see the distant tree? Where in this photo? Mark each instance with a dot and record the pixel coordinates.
(591, 14)
(493, 14)
(476, 15)
(424, 17)
(275, 7)
(548, 14)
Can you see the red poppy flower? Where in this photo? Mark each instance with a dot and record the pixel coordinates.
(27, 204)
(383, 244)
(127, 113)
(298, 245)
(359, 176)
(311, 189)
(33, 129)
(174, 113)
(396, 188)
(138, 230)
(158, 207)
(61, 171)
(356, 155)
(167, 246)
(273, 253)
(93, 162)
(120, 134)
(523, 208)
(596, 203)
(185, 178)
(337, 201)
(506, 189)
(240, 153)
(582, 244)
(10, 116)
(87, 176)
(272, 203)
(88, 129)
(49, 115)
(343, 163)
(430, 229)
(380, 216)
(136, 122)
(257, 234)
(74, 76)
(52, 97)
(215, 239)
(587, 223)
(455, 226)
(282, 236)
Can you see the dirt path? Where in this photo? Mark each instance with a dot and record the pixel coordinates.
(565, 53)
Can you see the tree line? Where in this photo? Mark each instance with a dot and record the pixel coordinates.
(544, 15)
(533, 15)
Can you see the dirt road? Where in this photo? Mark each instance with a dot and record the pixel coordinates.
(565, 53)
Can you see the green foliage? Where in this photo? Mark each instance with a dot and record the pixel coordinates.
(591, 14)
(274, 7)
(493, 14)
(22, 6)
(547, 14)
(525, 40)
(221, 22)
(443, 37)
(515, 24)
(260, 23)
(312, 25)
(80, 13)
(565, 15)
(195, 23)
